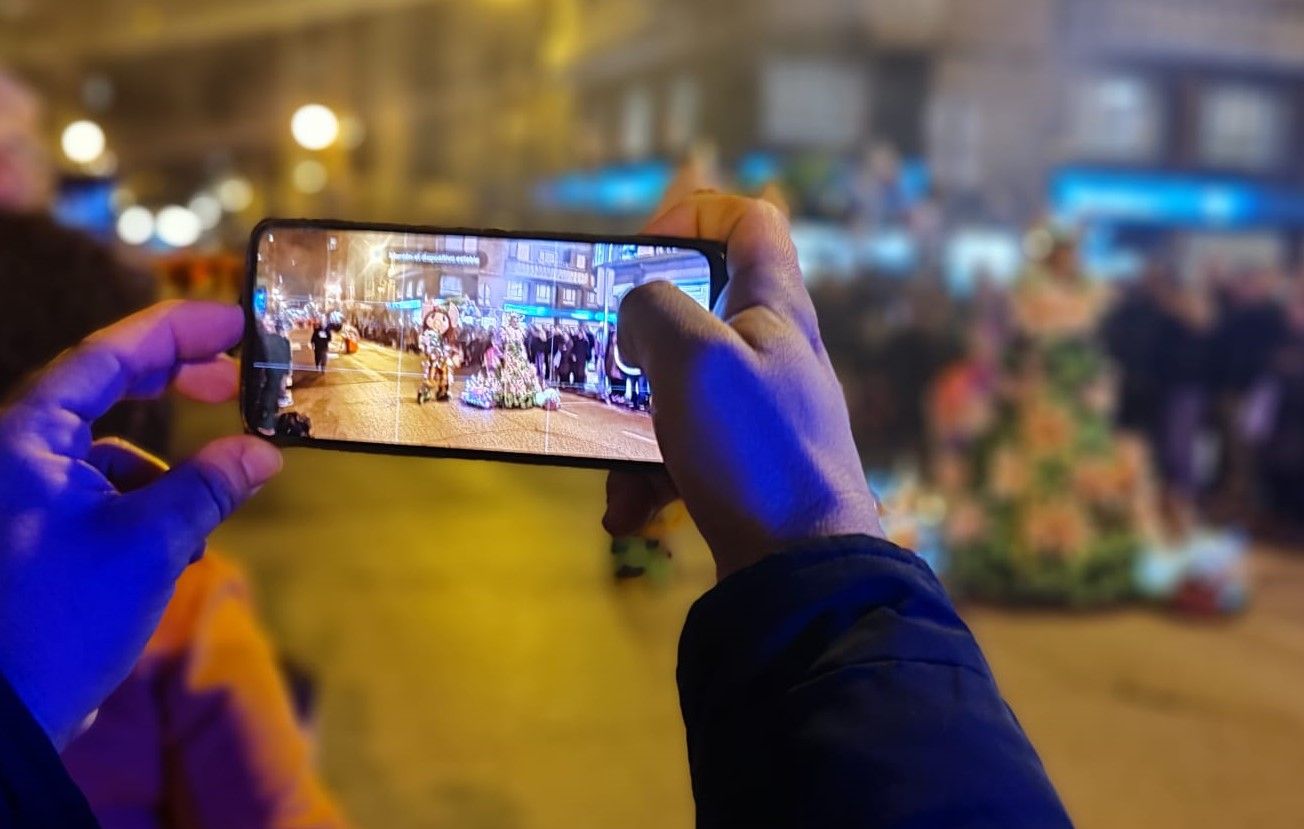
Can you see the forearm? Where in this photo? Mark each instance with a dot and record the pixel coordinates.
(834, 685)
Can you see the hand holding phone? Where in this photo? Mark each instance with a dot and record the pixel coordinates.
(749, 414)
(469, 343)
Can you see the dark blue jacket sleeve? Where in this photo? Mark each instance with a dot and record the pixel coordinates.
(35, 790)
(834, 685)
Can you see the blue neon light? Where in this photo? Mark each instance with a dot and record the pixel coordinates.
(528, 310)
(581, 314)
(915, 179)
(758, 168)
(1173, 199)
(619, 189)
(406, 305)
(87, 205)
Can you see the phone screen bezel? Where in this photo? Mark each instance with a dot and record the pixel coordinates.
(714, 252)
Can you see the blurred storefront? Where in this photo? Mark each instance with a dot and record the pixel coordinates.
(572, 114)
(1155, 124)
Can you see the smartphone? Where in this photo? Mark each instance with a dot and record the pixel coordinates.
(455, 342)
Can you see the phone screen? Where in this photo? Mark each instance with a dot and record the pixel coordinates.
(485, 343)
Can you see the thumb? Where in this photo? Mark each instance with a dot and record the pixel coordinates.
(660, 327)
(193, 498)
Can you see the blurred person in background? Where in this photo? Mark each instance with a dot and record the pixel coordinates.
(1275, 423)
(557, 343)
(878, 198)
(269, 392)
(26, 175)
(202, 733)
(321, 342)
(45, 315)
(1158, 335)
(536, 348)
(1250, 327)
(1185, 405)
(1135, 332)
(615, 377)
(922, 342)
(989, 308)
(577, 356)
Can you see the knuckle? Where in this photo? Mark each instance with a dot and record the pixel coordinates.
(220, 490)
(94, 348)
(92, 358)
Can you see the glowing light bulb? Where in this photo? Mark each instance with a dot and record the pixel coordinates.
(235, 194)
(314, 127)
(178, 226)
(83, 141)
(207, 207)
(136, 225)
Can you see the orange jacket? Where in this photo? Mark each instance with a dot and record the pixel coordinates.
(202, 734)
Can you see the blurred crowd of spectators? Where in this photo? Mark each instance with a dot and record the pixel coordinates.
(1208, 370)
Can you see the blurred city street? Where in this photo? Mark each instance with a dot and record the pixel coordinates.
(1056, 253)
(478, 666)
(371, 395)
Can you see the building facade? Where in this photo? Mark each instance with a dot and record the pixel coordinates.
(1168, 123)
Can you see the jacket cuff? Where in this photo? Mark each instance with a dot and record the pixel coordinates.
(774, 621)
(35, 789)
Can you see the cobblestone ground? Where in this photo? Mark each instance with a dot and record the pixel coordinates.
(371, 396)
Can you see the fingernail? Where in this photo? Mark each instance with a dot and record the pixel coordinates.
(261, 462)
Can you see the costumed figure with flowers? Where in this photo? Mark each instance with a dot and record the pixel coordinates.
(1047, 504)
(509, 380)
(441, 352)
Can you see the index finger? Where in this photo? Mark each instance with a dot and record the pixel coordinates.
(761, 258)
(138, 356)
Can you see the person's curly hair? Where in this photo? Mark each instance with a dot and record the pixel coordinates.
(57, 286)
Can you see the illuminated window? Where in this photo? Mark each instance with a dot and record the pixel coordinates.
(581, 262)
(570, 296)
(516, 291)
(543, 293)
(1241, 127)
(682, 112)
(636, 123)
(548, 256)
(522, 251)
(450, 285)
(484, 292)
(813, 102)
(1115, 118)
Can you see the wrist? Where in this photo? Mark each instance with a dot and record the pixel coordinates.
(59, 729)
(852, 516)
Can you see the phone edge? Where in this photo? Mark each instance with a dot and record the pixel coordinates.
(712, 250)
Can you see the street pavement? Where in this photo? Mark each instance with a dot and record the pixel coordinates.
(371, 396)
(477, 666)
